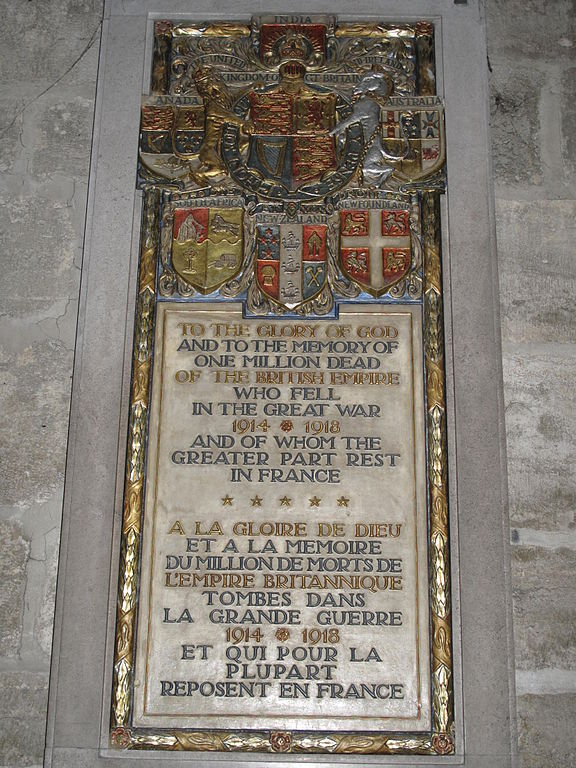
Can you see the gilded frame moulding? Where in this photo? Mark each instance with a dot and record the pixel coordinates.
(170, 70)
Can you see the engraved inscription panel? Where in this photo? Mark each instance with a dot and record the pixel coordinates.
(285, 536)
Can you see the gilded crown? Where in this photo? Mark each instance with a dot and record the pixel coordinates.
(293, 46)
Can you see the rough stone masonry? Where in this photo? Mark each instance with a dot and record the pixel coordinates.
(49, 64)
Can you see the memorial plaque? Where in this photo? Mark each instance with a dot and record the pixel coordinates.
(284, 571)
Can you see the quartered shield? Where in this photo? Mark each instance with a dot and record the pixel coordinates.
(413, 128)
(291, 141)
(207, 246)
(375, 250)
(171, 130)
(292, 152)
(291, 262)
(170, 133)
(156, 127)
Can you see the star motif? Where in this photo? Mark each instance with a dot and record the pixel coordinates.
(315, 501)
(227, 501)
(343, 501)
(256, 501)
(285, 501)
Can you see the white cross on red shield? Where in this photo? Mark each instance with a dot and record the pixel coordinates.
(375, 250)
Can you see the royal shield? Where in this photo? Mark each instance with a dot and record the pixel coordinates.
(291, 262)
(207, 246)
(291, 143)
(375, 248)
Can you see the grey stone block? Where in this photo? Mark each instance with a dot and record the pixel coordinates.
(36, 386)
(537, 29)
(39, 242)
(546, 733)
(569, 119)
(14, 551)
(42, 40)
(540, 501)
(514, 123)
(23, 693)
(544, 608)
(65, 134)
(540, 426)
(537, 270)
(22, 705)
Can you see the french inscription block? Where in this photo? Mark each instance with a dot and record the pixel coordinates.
(284, 581)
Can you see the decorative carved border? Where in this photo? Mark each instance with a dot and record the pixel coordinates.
(442, 682)
(135, 463)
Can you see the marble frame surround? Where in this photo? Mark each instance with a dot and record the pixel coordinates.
(82, 666)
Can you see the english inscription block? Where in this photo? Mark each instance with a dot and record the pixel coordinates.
(284, 561)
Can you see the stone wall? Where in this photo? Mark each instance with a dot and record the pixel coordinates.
(48, 55)
(531, 49)
(48, 60)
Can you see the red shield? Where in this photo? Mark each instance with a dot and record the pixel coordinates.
(291, 262)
